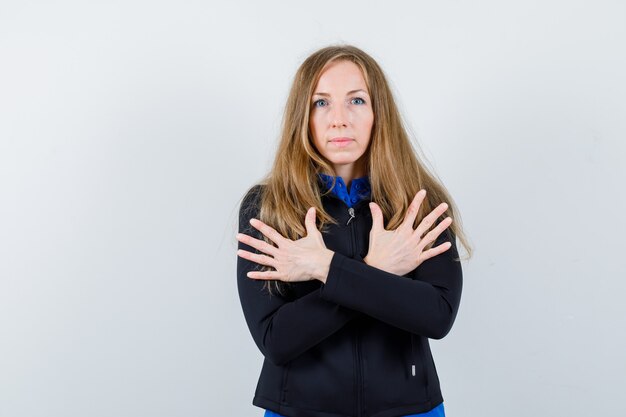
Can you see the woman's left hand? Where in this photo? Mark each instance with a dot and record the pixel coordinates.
(304, 259)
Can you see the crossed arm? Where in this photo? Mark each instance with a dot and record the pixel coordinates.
(424, 302)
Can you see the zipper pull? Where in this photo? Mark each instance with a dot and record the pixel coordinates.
(351, 213)
(412, 355)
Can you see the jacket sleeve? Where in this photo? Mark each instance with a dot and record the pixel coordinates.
(281, 328)
(425, 302)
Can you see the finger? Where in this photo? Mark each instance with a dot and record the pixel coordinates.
(430, 219)
(268, 231)
(377, 217)
(412, 210)
(264, 275)
(258, 258)
(435, 251)
(433, 235)
(309, 221)
(257, 244)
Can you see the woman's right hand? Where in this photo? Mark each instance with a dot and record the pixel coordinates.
(400, 251)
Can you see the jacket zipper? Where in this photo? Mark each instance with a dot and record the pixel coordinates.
(352, 237)
(359, 370)
(284, 384)
(412, 355)
(359, 397)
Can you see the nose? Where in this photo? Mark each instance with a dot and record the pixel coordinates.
(339, 117)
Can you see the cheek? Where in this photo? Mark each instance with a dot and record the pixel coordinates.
(314, 121)
(366, 122)
(316, 131)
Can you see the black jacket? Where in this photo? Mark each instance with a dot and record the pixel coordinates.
(358, 344)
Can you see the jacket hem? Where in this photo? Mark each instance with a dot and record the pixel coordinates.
(290, 411)
(410, 409)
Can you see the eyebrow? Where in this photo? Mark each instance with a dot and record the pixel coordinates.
(349, 92)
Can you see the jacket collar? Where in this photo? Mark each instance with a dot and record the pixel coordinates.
(360, 188)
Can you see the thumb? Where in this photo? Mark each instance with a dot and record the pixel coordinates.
(377, 216)
(309, 221)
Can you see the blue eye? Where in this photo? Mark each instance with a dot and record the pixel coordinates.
(359, 98)
(315, 103)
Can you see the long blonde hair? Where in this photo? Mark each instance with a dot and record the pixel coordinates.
(394, 168)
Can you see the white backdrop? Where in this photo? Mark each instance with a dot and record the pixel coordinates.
(130, 130)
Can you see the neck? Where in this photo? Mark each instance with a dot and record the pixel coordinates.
(349, 172)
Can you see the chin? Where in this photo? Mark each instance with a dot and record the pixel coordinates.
(342, 161)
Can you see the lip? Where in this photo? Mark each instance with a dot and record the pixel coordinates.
(341, 142)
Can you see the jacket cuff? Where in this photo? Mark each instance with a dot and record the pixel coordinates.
(329, 290)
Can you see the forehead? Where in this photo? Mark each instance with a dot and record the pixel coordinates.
(341, 76)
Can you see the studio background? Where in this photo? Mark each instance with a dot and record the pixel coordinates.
(129, 131)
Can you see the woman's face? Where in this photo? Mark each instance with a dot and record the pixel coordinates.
(341, 117)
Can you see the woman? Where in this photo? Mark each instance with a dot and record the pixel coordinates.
(342, 310)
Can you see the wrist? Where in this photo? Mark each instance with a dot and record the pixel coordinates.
(322, 264)
(371, 262)
(368, 261)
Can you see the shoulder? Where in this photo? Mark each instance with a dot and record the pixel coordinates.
(252, 196)
(250, 208)
(251, 203)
